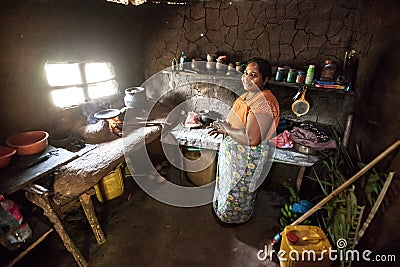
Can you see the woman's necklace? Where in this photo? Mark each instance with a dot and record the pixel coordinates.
(249, 96)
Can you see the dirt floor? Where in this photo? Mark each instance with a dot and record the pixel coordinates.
(142, 231)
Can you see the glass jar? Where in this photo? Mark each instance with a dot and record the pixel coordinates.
(279, 74)
(291, 77)
(328, 71)
(239, 66)
(300, 77)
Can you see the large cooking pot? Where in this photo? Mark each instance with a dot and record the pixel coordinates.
(135, 97)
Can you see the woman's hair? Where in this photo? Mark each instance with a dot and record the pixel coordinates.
(263, 66)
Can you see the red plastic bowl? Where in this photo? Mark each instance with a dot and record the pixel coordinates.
(5, 155)
(29, 143)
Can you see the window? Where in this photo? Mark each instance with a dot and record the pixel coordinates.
(75, 83)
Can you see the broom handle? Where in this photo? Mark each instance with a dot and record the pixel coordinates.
(347, 183)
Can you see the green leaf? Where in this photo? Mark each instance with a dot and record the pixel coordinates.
(373, 177)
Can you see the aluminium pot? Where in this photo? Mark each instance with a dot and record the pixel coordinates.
(304, 149)
(135, 97)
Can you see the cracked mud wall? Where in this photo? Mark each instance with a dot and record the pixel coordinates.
(287, 33)
(293, 32)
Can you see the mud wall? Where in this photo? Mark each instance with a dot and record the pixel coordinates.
(287, 33)
(35, 32)
(377, 116)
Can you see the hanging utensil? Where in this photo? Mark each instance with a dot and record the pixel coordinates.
(171, 82)
(301, 106)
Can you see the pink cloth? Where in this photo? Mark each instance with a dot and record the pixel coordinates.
(282, 140)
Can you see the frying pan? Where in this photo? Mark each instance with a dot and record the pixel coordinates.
(301, 106)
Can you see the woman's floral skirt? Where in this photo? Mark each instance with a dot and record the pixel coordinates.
(241, 169)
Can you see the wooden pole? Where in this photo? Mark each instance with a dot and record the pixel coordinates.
(347, 183)
(347, 130)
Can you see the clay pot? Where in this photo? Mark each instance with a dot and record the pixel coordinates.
(198, 65)
(211, 57)
(210, 66)
(221, 67)
(5, 155)
(239, 66)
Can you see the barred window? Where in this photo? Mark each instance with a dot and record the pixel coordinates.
(75, 83)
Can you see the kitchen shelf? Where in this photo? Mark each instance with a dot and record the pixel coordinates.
(310, 87)
(204, 75)
(215, 76)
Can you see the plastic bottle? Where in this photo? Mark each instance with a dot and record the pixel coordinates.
(277, 238)
(182, 60)
(310, 75)
(23, 232)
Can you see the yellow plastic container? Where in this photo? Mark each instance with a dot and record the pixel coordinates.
(110, 186)
(304, 246)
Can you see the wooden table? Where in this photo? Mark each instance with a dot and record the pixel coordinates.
(21, 171)
(78, 173)
(24, 171)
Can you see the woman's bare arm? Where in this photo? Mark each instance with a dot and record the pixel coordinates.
(256, 129)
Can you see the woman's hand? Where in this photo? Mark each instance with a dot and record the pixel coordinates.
(218, 127)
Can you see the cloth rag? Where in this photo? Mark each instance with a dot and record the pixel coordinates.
(310, 139)
(282, 140)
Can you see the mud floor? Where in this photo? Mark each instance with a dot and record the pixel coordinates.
(142, 231)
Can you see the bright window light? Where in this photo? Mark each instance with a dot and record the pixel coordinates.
(102, 89)
(76, 83)
(98, 72)
(68, 97)
(61, 74)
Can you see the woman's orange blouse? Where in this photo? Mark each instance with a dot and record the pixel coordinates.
(262, 102)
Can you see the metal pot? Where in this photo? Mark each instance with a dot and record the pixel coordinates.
(304, 149)
(134, 97)
(207, 116)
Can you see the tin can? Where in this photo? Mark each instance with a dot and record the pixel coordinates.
(300, 77)
(291, 78)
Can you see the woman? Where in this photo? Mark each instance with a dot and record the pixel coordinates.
(243, 153)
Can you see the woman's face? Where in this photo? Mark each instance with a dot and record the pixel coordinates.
(252, 79)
